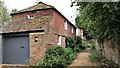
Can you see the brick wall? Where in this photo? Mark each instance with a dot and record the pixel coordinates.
(69, 31)
(37, 49)
(40, 13)
(60, 30)
(53, 27)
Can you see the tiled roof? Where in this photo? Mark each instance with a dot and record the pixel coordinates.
(38, 6)
(27, 25)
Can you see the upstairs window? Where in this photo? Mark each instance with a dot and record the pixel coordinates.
(59, 40)
(30, 16)
(65, 24)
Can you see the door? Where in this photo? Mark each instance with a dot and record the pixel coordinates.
(16, 50)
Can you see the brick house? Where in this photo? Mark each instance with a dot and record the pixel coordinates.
(31, 32)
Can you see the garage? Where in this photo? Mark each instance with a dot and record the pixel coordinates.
(16, 49)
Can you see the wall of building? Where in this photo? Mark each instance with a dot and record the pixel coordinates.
(69, 31)
(39, 13)
(60, 30)
(59, 25)
(48, 26)
(54, 27)
(37, 49)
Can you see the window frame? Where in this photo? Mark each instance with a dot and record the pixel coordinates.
(59, 40)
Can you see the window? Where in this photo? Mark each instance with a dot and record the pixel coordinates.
(72, 30)
(30, 16)
(59, 40)
(65, 24)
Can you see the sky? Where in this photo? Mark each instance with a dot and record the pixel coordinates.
(61, 5)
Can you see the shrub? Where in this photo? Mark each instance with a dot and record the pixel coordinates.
(77, 48)
(55, 50)
(69, 55)
(70, 42)
(70, 58)
(95, 56)
(85, 45)
(92, 47)
(57, 57)
(78, 40)
(83, 38)
(53, 62)
(77, 44)
(67, 51)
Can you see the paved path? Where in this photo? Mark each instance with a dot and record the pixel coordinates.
(83, 60)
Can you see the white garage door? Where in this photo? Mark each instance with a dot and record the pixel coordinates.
(16, 50)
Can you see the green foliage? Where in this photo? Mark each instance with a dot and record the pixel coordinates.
(69, 55)
(77, 48)
(57, 57)
(52, 62)
(70, 42)
(14, 10)
(78, 40)
(78, 43)
(86, 45)
(55, 51)
(4, 15)
(100, 19)
(92, 47)
(95, 56)
(83, 38)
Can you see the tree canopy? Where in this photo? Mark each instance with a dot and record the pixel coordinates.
(4, 15)
(100, 19)
(14, 10)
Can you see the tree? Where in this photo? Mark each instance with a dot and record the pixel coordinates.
(4, 15)
(14, 10)
(100, 19)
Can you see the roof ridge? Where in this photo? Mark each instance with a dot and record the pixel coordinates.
(45, 4)
(29, 8)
